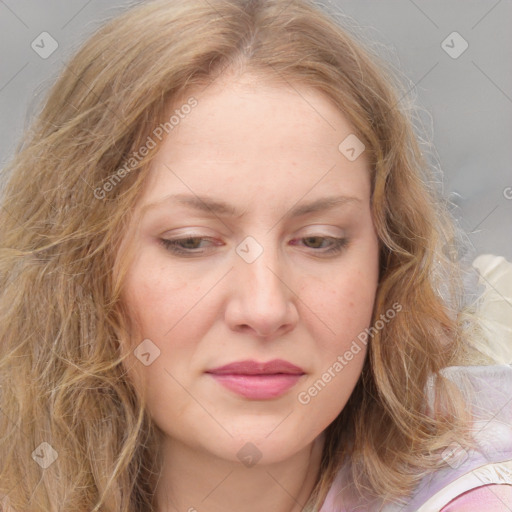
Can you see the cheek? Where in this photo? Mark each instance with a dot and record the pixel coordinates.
(157, 315)
(345, 307)
(154, 300)
(345, 304)
(154, 304)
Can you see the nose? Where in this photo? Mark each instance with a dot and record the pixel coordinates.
(262, 300)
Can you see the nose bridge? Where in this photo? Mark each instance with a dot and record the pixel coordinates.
(259, 265)
(263, 299)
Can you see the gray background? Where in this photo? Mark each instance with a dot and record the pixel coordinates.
(469, 98)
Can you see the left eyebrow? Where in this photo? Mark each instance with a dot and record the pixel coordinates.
(324, 203)
(214, 206)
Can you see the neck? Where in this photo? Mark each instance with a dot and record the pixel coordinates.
(193, 480)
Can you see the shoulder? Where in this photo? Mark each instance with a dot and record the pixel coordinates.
(467, 474)
(487, 497)
(487, 487)
(474, 473)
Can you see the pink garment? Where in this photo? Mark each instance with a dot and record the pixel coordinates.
(489, 498)
(477, 480)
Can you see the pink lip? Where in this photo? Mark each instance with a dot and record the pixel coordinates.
(258, 381)
(250, 367)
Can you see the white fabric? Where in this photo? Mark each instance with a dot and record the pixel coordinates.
(495, 311)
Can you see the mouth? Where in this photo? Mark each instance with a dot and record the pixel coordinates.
(258, 381)
(250, 367)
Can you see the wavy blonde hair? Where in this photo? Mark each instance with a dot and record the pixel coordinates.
(61, 269)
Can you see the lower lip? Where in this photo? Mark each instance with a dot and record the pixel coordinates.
(258, 387)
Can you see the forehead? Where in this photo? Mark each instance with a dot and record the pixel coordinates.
(275, 140)
(251, 115)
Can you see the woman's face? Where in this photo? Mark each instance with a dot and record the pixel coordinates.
(272, 255)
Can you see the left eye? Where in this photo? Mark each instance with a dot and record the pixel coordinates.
(335, 245)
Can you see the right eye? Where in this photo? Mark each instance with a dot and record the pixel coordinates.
(187, 246)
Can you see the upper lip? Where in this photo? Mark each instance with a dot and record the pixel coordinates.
(250, 367)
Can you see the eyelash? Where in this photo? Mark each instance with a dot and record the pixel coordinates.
(173, 246)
